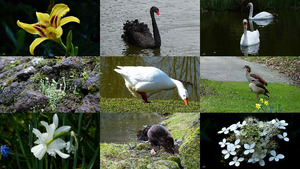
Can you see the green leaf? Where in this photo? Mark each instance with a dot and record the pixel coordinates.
(92, 162)
(69, 42)
(75, 51)
(20, 37)
(11, 35)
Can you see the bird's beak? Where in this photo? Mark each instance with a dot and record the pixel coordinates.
(186, 101)
(244, 67)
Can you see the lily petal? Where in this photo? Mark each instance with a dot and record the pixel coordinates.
(61, 154)
(39, 151)
(43, 18)
(32, 28)
(62, 128)
(57, 12)
(56, 33)
(68, 19)
(34, 44)
(55, 120)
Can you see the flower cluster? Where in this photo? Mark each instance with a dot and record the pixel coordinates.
(252, 140)
(267, 108)
(49, 141)
(4, 150)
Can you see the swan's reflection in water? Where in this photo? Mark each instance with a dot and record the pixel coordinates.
(263, 23)
(250, 50)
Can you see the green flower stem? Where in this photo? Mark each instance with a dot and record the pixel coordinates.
(57, 136)
(62, 44)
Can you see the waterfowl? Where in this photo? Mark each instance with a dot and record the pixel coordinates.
(145, 81)
(258, 88)
(249, 37)
(254, 77)
(260, 16)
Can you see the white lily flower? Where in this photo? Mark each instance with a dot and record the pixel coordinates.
(45, 138)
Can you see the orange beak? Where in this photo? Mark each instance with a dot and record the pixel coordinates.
(186, 101)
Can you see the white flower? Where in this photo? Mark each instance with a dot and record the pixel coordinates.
(70, 148)
(236, 161)
(280, 124)
(276, 157)
(229, 151)
(223, 143)
(236, 143)
(249, 149)
(224, 130)
(233, 127)
(283, 136)
(45, 138)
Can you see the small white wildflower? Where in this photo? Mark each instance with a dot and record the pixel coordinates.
(233, 127)
(249, 148)
(223, 143)
(276, 157)
(236, 161)
(223, 130)
(229, 151)
(283, 136)
(281, 124)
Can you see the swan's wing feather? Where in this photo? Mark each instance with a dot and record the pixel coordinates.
(263, 15)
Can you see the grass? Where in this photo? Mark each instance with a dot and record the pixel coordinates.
(132, 105)
(235, 97)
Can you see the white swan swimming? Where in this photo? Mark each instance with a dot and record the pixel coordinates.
(249, 38)
(260, 16)
(145, 81)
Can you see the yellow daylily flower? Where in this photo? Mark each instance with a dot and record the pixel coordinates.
(48, 26)
(258, 106)
(266, 103)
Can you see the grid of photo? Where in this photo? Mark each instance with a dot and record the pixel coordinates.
(135, 84)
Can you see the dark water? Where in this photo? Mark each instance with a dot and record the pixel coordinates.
(221, 34)
(180, 68)
(178, 24)
(123, 127)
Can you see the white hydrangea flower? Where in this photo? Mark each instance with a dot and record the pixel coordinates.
(45, 138)
(223, 143)
(236, 143)
(223, 130)
(283, 136)
(281, 124)
(249, 148)
(276, 157)
(229, 151)
(236, 161)
(233, 127)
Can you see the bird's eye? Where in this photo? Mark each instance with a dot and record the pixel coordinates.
(183, 95)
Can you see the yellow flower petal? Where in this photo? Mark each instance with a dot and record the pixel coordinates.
(29, 27)
(258, 106)
(54, 33)
(43, 18)
(34, 44)
(68, 19)
(261, 100)
(266, 103)
(57, 12)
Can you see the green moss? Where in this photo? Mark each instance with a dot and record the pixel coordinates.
(175, 159)
(189, 151)
(142, 146)
(163, 164)
(94, 87)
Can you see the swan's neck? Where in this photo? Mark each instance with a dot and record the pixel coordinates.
(177, 84)
(245, 34)
(251, 12)
(157, 41)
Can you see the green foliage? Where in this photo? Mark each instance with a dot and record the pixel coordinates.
(123, 105)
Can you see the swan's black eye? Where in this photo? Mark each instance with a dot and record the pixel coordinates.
(183, 95)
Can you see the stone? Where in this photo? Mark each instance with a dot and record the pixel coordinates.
(89, 105)
(24, 74)
(29, 100)
(11, 93)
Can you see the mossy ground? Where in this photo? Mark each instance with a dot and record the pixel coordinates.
(127, 156)
(235, 97)
(132, 105)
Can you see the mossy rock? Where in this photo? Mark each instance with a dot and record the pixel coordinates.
(163, 164)
(175, 159)
(133, 163)
(189, 151)
(142, 146)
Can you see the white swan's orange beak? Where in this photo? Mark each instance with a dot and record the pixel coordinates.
(186, 101)
(245, 25)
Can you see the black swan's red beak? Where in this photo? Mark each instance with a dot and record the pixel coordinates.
(157, 12)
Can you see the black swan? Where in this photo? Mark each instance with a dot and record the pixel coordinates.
(139, 34)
